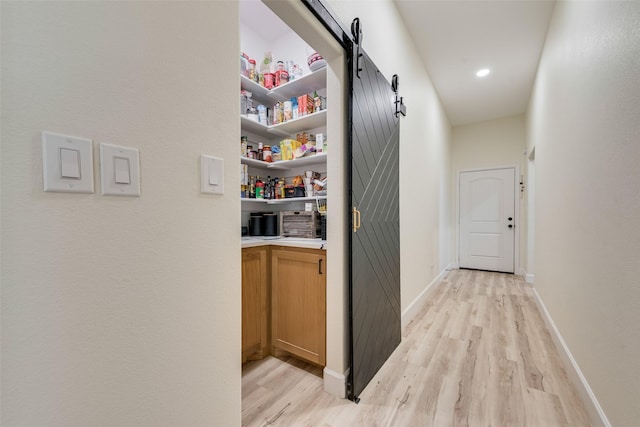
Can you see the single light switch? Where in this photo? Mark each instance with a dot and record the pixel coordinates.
(69, 163)
(121, 167)
(212, 175)
(119, 170)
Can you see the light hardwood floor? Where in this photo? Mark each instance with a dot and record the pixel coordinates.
(477, 354)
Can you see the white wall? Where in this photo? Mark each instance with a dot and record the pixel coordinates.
(583, 123)
(425, 178)
(500, 142)
(121, 311)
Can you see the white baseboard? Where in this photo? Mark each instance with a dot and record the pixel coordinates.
(335, 383)
(584, 390)
(529, 278)
(412, 310)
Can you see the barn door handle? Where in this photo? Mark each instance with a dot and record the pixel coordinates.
(356, 219)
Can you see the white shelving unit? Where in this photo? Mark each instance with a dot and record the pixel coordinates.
(260, 95)
(306, 84)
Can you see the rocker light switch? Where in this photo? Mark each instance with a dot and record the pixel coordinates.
(119, 170)
(122, 171)
(212, 175)
(67, 163)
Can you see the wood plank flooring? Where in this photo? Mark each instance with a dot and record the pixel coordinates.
(477, 354)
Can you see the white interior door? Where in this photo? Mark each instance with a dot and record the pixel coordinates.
(487, 219)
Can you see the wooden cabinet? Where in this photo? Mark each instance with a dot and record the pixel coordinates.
(255, 303)
(298, 280)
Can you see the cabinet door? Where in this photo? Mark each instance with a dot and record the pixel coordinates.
(299, 303)
(254, 302)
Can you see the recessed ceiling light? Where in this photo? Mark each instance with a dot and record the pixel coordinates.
(483, 72)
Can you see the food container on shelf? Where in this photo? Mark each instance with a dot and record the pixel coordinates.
(302, 224)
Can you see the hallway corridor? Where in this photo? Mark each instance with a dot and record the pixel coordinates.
(477, 354)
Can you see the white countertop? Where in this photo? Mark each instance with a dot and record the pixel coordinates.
(251, 241)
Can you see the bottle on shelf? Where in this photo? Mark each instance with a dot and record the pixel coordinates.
(253, 76)
(273, 188)
(282, 76)
(259, 188)
(252, 187)
(267, 188)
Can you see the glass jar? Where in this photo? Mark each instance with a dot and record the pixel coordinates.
(252, 70)
(266, 154)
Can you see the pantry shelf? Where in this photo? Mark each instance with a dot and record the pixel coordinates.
(283, 201)
(295, 199)
(310, 121)
(286, 129)
(255, 127)
(259, 93)
(306, 84)
(286, 164)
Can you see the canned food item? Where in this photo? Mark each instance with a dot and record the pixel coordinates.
(252, 70)
(269, 80)
(278, 114)
(288, 110)
(243, 146)
(282, 77)
(266, 154)
(262, 114)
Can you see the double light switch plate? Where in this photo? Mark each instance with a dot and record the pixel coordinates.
(67, 163)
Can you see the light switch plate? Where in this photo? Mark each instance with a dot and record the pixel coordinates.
(212, 175)
(67, 163)
(119, 170)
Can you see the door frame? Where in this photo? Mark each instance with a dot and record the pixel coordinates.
(516, 198)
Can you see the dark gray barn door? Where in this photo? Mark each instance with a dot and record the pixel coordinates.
(375, 245)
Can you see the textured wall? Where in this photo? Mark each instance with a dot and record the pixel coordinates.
(120, 311)
(583, 123)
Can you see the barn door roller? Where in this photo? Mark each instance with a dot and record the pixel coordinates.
(356, 32)
(399, 102)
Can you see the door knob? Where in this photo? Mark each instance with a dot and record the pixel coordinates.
(510, 219)
(510, 225)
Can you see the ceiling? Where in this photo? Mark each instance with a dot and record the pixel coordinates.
(456, 38)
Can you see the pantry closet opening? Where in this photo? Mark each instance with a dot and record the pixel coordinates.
(294, 268)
